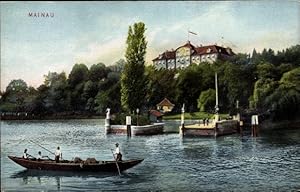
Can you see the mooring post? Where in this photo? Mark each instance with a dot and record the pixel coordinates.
(107, 119)
(254, 125)
(181, 131)
(128, 125)
(241, 127)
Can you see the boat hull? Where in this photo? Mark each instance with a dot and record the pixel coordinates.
(99, 166)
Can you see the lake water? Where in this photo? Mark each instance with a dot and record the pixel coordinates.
(231, 163)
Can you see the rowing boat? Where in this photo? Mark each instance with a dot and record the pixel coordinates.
(82, 166)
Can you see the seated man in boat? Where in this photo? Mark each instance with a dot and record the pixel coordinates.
(118, 153)
(58, 155)
(39, 157)
(26, 155)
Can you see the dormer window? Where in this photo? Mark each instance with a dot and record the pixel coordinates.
(208, 50)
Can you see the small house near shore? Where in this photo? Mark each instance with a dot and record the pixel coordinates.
(155, 116)
(165, 106)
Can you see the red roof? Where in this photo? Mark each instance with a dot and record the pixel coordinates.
(196, 51)
(165, 55)
(165, 102)
(156, 113)
(188, 44)
(212, 49)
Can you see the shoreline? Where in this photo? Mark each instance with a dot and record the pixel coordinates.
(49, 117)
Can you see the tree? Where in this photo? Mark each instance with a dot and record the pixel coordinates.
(118, 66)
(57, 93)
(207, 100)
(98, 72)
(266, 70)
(262, 89)
(284, 102)
(133, 80)
(76, 82)
(161, 84)
(78, 74)
(16, 92)
(189, 84)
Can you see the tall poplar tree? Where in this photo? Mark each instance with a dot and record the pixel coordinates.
(133, 79)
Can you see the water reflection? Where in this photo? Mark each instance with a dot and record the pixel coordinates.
(30, 177)
(40, 173)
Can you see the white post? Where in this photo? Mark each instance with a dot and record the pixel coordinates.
(107, 119)
(128, 125)
(181, 130)
(217, 98)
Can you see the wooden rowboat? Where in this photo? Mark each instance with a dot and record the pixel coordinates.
(83, 166)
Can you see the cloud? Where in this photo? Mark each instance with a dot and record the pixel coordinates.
(107, 52)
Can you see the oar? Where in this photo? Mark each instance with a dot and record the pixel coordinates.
(43, 148)
(116, 162)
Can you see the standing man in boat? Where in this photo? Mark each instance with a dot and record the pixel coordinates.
(118, 153)
(58, 155)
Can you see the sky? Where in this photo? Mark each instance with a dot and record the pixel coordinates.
(94, 32)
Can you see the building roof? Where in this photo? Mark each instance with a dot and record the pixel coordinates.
(156, 113)
(212, 49)
(188, 44)
(165, 55)
(165, 102)
(202, 50)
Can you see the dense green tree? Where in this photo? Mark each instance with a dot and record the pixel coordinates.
(189, 85)
(266, 70)
(56, 99)
(16, 92)
(207, 100)
(262, 89)
(98, 72)
(118, 66)
(78, 74)
(133, 79)
(76, 81)
(284, 102)
(162, 84)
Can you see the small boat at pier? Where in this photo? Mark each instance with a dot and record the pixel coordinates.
(76, 166)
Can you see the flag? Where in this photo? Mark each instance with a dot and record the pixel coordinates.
(192, 33)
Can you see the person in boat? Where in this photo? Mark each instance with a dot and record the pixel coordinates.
(39, 157)
(58, 155)
(26, 155)
(118, 153)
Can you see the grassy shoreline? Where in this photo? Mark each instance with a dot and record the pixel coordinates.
(193, 116)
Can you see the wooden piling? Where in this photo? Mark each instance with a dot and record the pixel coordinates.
(254, 126)
(128, 125)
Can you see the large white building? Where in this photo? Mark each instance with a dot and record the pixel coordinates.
(187, 54)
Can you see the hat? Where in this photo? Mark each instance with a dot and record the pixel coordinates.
(117, 144)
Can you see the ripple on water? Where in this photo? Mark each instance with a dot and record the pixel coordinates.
(171, 163)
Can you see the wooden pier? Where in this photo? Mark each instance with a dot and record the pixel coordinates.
(213, 129)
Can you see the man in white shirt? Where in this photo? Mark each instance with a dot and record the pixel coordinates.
(118, 153)
(25, 155)
(39, 157)
(58, 155)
